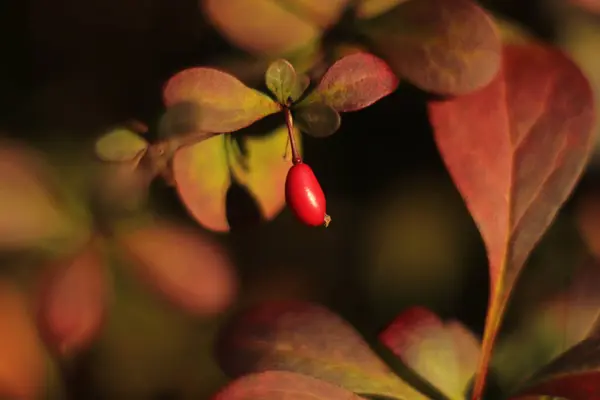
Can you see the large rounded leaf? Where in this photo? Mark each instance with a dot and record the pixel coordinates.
(184, 266)
(202, 175)
(308, 339)
(515, 151)
(442, 46)
(272, 27)
(221, 102)
(21, 353)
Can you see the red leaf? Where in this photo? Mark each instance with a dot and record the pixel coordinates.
(354, 82)
(445, 354)
(21, 353)
(224, 103)
(442, 46)
(307, 339)
(515, 150)
(280, 385)
(186, 267)
(73, 302)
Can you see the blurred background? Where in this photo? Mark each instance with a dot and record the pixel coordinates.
(401, 235)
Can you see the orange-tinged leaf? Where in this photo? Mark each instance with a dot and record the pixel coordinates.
(443, 353)
(22, 357)
(308, 339)
(224, 103)
(442, 46)
(202, 178)
(281, 385)
(73, 301)
(515, 150)
(202, 174)
(354, 82)
(264, 27)
(186, 267)
(30, 209)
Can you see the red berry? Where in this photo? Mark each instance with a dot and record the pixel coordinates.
(305, 197)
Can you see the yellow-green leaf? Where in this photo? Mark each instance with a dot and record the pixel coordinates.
(221, 102)
(272, 27)
(121, 144)
(203, 177)
(443, 353)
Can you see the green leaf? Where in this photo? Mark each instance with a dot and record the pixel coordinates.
(307, 339)
(442, 46)
(283, 82)
(224, 103)
(120, 145)
(202, 176)
(272, 27)
(354, 82)
(575, 375)
(558, 323)
(281, 385)
(443, 353)
(317, 119)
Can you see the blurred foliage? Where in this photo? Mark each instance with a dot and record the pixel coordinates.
(401, 234)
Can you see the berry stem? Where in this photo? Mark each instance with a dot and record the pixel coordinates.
(289, 121)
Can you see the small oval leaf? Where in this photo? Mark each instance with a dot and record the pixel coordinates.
(282, 81)
(197, 277)
(120, 145)
(224, 103)
(281, 385)
(442, 46)
(445, 354)
(73, 302)
(354, 82)
(317, 119)
(307, 339)
(22, 356)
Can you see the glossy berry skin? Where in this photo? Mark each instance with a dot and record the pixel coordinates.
(304, 195)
